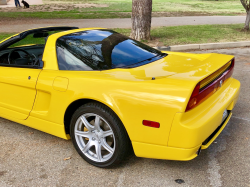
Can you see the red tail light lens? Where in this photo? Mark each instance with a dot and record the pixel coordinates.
(199, 95)
(151, 123)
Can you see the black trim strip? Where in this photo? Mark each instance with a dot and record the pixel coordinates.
(216, 130)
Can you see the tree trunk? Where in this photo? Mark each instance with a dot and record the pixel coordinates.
(141, 19)
(247, 21)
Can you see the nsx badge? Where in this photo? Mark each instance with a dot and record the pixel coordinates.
(221, 82)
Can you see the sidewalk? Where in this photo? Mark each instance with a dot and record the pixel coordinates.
(17, 26)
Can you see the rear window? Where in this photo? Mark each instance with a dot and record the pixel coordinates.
(102, 50)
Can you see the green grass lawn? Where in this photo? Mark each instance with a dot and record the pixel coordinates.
(180, 35)
(229, 6)
(123, 8)
(4, 36)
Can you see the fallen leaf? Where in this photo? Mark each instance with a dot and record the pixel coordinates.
(31, 132)
(67, 158)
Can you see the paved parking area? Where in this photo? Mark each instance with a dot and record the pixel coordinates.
(32, 158)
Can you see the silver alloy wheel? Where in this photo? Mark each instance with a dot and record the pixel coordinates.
(94, 137)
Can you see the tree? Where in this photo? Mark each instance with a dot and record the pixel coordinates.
(246, 5)
(141, 19)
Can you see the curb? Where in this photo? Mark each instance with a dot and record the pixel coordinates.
(204, 46)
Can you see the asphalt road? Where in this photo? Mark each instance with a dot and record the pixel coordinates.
(32, 158)
(21, 25)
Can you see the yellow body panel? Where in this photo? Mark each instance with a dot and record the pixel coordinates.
(18, 92)
(131, 94)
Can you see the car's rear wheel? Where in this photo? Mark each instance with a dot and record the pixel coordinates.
(98, 135)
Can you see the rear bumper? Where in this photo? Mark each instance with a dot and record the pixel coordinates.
(192, 128)
(173, 153)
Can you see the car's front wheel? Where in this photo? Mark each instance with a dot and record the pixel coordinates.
(98, 135)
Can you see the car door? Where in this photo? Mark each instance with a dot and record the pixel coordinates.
(17, 91)
(18, 82)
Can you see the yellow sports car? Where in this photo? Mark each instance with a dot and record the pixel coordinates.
(113, 95)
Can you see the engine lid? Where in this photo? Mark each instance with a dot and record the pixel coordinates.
(183, 65)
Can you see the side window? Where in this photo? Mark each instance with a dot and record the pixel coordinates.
(69, 60)
(26, 53)
(38, 39)
(29, 40)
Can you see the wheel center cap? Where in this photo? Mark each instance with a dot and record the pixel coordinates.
(97, 135)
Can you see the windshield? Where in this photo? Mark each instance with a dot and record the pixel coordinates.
(102, 50)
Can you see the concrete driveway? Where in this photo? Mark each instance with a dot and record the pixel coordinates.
(32, 158)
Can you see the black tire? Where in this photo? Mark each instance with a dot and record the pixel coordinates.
(123, 145)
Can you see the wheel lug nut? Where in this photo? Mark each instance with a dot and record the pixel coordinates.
(99, 141)
(93, 138)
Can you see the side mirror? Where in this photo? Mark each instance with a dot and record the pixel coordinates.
(40, 35)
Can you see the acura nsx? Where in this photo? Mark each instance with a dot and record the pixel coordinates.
(113, 95)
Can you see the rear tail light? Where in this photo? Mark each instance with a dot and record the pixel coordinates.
(199, 95)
